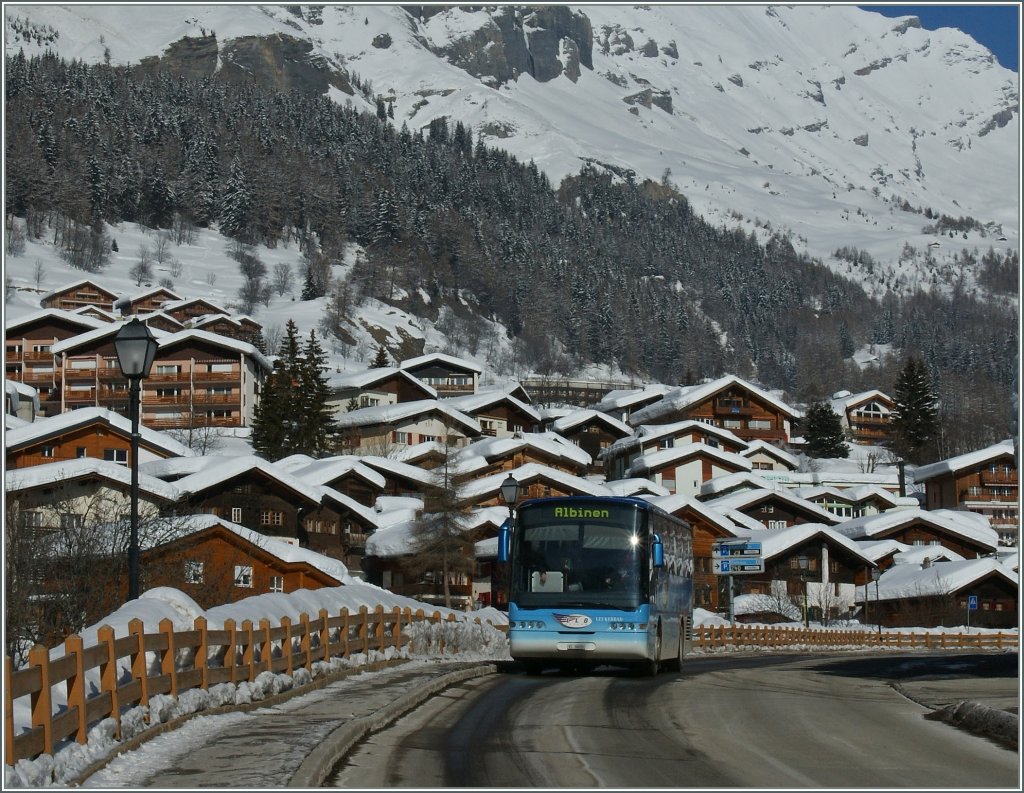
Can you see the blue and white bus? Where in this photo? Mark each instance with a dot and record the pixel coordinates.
(598, 580)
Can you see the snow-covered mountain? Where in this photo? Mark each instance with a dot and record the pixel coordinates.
(848, 129)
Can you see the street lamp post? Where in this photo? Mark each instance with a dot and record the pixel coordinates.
(876, 573)
(136, 348)
(803, 561)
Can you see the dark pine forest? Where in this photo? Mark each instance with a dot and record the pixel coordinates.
(603, 268)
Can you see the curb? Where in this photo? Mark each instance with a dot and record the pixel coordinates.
(318, 764)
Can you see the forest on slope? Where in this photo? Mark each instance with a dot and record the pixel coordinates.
(601, 269)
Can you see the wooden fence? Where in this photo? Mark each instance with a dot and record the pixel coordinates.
(730, 637)
(197, 658)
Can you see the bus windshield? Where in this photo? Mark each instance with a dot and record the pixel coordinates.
(568, 555)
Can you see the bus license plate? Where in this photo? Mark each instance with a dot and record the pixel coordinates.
(577, 646)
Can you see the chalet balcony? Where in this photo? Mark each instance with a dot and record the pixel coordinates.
(870, 421)
(29, 460)
(36, 356)
(734, 410)
(985, 498)
(80, 395)
(32, 376)
(353, 540)
(998, 478)
(216, 377)
(766, 435)
(185, 422)
(216, 399)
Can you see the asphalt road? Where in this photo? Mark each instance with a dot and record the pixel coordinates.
(764, 721)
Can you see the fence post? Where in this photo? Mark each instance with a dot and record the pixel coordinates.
(286, 645)
(396, 628)
(379, 631)
(73, 645)
(306, 643)
(266, 646)
(201, 651)
(108, 673)
(168, 665)
(346, 622)
(139, 669)
(364, 633)
(325, 634)
(249, 656)
(229, 653)
(42, 715)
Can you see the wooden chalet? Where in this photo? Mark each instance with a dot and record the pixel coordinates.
(90, 433)
(78, 294)
(593, 431)
(962, 532)
(749, 412)
(146, 302)
(215, 562)
(983, 482)
(774, 508)
(499, 414)
(866, 417)
(683, 469)
(448, 375)
(375, 387)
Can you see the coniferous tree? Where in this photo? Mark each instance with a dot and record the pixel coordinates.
(824, 433)
(236, 204)
(277, 415)
(380, 360)
(317, 427)
(915, 418)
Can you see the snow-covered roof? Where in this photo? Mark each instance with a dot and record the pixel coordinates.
(748, 498)
(941, 578)
(91, 337)
(646, 433)
(170, 305)
(920, 555)
(777, 542)
(74, 285)
(440, 358)
(621, 398)
(65, 470)
(369, 377)
(855, 495)
(527, 474)
(229, 467)
(284, 551)
(579, 418)
(544, 442)
(156, 290)
(968, 525)
(194, 334)
(328, 469)
(763, 447)
(843, 401)
(406, 411)
(677, 501)
(686, 396)
(71, 317)
(636, 486)
(65, 422)
(878, 549)
(663, 457)
(969, 460)
(398, 469)
(473, 403)
(746, 480)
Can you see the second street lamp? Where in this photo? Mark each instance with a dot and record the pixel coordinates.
(876, 573)
(135, 346)
(510, 493)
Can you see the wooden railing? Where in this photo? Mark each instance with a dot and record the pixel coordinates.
(232, 654)
(709, 637)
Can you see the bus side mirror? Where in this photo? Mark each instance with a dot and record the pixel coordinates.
(504, 538)
(657, 553)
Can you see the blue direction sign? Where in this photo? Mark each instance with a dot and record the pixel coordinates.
(972, 602)
(737, 565)
(733, 548)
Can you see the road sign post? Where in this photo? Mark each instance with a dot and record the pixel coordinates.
(972, 604)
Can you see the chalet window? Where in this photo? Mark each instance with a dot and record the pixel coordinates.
(119, 456)
(236, 514)
(271, 517)
(668, 484)
(81, 451)
(69, 520)
(193, 573)
(82, 363)
(168, 368)
(767, 509)
(168, 392)
(667, 443)
(400, 437)
(218, 367)
(218, 414)
(243, 575)
(760, 424)
(763, 467)
(429, 438)
(277, 583)
(47, 451)
(32, 520)
(219, 391)
(40, 348)
(776, 524)
(732, 424)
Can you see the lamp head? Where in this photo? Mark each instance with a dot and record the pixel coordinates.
(510, 490)
(136, 346)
